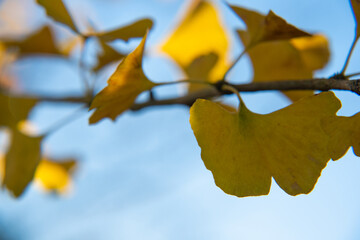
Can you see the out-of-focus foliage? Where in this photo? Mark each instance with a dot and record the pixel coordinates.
(244, 150)
(201, 32)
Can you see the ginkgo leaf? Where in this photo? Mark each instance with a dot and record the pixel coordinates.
(200, 70)
(55, 176)
(41, 42)
(57, 10)
(21, 161)
(344, 132)
(244, 150)
(291, 59)
(14, 110)
(124, 85)
(107, 55)
(134, 30)
(201, 32)
(267, 28)
(355, 6)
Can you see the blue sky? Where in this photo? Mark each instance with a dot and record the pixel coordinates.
(142, 177)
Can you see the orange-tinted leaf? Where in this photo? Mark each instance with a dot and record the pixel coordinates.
(55, 176)
(125, 84)
(355, 6)
(267, 28)
(244, 150)
(200, 33)
(107, 55)
(134, 30)
(344, 132)
(291, 59)
(41, 42)
(57, 10)
(21, 161)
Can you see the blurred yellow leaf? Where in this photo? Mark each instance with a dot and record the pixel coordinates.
(14, 110)
(124, 85)
(134, 30)
(41, 42)
(55, 176)
(293, 59)
(266, 28)
(244, 149)
(200, 70)
(107, 55)
(57, 10)
(21, 161)
(355, 6)
(201, 32)
(344, 132)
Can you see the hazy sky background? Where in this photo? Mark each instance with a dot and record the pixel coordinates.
(142, 177)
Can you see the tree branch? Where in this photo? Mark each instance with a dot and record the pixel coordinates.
(321, 84)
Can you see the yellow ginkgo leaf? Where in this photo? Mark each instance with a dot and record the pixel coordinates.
(55, 176)
(41, 42)
(291, 59)
(106, 56)
(57, 10)
(244, 149)
(21, 161)
(355, 5)
(124, 85)
(201, 32)
(200, 70)
(14, 110)
(267, 28)
(344, 132)
(134, 30)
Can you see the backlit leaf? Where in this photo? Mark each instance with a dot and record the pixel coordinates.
(107, 55)
(134, 30)
(355, 5)
(41, 42)
(267, 28)
(125, 84)
(57, 10)
(21, 161)
(200, 70)
(291, 59)
(201, 32)
(344, 132)
(244, 149)
(55, 176)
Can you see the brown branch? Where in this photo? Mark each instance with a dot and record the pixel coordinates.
(321, 84)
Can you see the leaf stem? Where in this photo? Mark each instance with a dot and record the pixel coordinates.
(83, 68)
(352, 75)
(64, 121)
(349, 54)
(235, 62)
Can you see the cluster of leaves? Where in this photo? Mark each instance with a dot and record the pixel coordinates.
(297, 141)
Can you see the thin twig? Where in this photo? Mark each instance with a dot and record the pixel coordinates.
(349, 54)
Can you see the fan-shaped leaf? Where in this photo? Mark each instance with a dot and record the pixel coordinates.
(201, 32)
(244, 149)
(291, 59)
(126, 83)
(267, 28)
